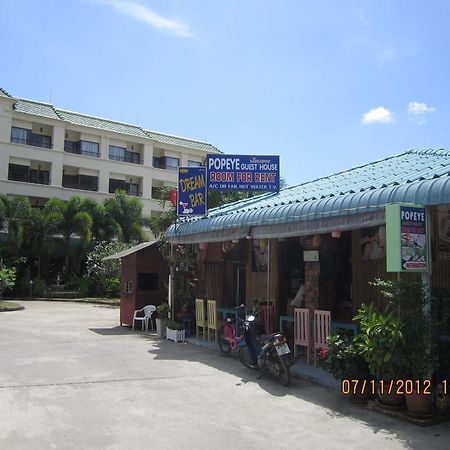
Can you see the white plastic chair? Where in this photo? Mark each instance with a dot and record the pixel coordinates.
(147, 317)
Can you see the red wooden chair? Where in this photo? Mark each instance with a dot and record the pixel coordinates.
(322, 326)
(302, 333)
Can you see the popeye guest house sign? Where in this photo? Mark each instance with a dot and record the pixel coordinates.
(191, 191)
(406, 238)
(243, 173)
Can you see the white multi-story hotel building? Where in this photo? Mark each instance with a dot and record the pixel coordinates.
(48, 152)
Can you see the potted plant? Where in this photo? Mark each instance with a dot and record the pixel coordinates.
(163, 318)
(379, 342)
(344, 361)
(418, 355)
(175, 332)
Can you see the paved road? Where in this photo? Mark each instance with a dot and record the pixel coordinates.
(70, 378)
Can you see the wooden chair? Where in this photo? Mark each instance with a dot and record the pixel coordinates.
(267, 317)
(302, 332)
(200, 321)
(212, 322)
(322, 326)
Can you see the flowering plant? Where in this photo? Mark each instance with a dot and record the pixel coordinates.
(343, 360)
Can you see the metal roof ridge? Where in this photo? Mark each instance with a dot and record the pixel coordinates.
(348, 170)
(36, 102)
(177, 137)
(58, 112)
(430, 151)
(5, 92)
(100, 118)
(33, 101)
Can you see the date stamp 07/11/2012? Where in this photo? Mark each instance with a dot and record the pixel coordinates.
(395, 387)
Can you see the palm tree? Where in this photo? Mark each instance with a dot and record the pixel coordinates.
(13, 214)
(40, 228)
(127, 212)
(73, 222)
(104, 227)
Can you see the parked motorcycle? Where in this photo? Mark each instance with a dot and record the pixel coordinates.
(268, 353)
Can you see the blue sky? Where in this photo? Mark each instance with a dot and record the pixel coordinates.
(327, 85)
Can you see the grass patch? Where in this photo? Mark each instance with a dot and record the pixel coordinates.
(9, 306)
(100, 301)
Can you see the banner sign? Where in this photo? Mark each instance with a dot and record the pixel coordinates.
(243, 173)
(406, 228)
(191, 191)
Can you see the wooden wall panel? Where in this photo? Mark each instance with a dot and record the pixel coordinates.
(256, 282)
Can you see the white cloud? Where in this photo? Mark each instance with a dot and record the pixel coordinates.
(378, 115)
(148, 16)
(418, 109)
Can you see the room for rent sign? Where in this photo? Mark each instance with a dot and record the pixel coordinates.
(243, 173)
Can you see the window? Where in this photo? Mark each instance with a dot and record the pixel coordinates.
(85, 148)
(147, 281)
(39, 176)
(26, 136)
(88, 148)
(132, 189)
(88, 183)
(166, 162)
(84, 182)
(132, 157)
(128, 287)
(71, 147)
(20, 135)
(194, 163)
(117, 153)
(18, 172)
(38, 140)
(114, 185)
(172, 163)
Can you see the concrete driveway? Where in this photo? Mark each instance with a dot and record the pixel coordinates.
(71, 378)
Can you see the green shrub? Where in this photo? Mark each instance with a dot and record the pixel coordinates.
(175, 326)
(7, 279)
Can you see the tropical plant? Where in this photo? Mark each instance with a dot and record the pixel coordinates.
(380, 341)
(408, 301)
(73, 222)
(104, 227)
(126, 211)
(343, 359)
(40, 228)
(13, 214)
(7, 279)
(163, 310)
(105, 274)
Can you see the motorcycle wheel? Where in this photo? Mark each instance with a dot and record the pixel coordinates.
(284, 375)
(224, 345)
(245, 357)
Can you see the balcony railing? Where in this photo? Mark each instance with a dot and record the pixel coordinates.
(83, 182)
(129, 157)
(83, 148)
(25, 174)
(36, 140)
(166, 162)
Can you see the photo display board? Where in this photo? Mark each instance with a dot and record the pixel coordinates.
(407, 241)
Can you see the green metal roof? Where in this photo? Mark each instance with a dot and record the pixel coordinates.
(3, 93)
(416, 176)
(47, 110)
(184, 142)
(101, 124)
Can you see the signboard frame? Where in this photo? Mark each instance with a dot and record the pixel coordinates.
(243, 172)
(192, 192)
(407, 238)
